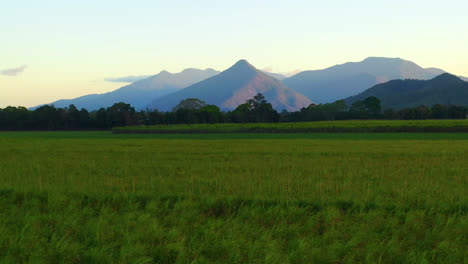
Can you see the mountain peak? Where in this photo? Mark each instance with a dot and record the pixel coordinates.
(139, 94)
(242, 68)
(242, 61)
(382, 59)
(189, 70)
(447, 77)
(445, 89)
(243, 64)
(334, 83)
(235, 86)
(164, 72)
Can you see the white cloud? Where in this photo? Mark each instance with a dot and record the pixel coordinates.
(13, 71)
(127, 79)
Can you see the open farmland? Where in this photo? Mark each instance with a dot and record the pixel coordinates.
(97, 197)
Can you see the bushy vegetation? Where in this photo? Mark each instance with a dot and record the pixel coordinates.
(195, 111)
(94, 197)
(308, 127)
(51, 118)
(370, 108)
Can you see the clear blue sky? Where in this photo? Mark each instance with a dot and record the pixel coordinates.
(70, 47)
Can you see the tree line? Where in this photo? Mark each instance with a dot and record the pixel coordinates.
(193, 110)
(370, 108)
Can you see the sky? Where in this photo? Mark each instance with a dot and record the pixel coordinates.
(52, 50)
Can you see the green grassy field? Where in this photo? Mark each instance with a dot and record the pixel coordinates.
(97, 197)
(355, 126)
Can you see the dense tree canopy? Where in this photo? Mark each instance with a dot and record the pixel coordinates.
(190, 104)
(192, 110)
(367, 108)
(257, 110)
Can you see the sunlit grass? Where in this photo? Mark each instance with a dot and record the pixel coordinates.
(241, 198)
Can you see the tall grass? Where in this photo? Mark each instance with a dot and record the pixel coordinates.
(98, 198)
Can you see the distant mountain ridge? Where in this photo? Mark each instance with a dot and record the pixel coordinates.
(140, 93)
(320, 86)
(340, 81)
(444, 89)
(235, 86)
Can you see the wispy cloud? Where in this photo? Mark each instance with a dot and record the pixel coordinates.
(13, 71)
(127, 79)
(269, 69)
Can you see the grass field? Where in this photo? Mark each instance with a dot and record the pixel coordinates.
(355, 126)
(97, 197)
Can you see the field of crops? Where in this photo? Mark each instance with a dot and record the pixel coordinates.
(98, 197)
(307, 127)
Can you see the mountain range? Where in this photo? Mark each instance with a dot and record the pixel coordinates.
(443, 89)
(341, 81)
(235, 86)
(240, 82)
(140, 93)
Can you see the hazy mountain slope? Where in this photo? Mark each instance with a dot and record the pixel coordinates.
(233, 87)
(140, 93)
(444, 89)
(351, 78)
(277, 76)
(434, 71)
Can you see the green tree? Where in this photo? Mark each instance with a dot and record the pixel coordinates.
(190, 104)
(407, 113)
(121, 114)
(47, 118)
(260, 110)
(242, 114)
(186, 116)
(155, 117)
(256, 102)
(358, 110)
(390, 114)
(422, 112)
(367, 108)
(457, 112)
(99, 118)
(72, 118)
(372, 105)
(439, 111)
(14, 118)
(210, 114)
(84, 119)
